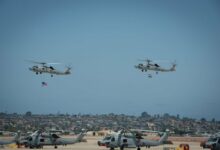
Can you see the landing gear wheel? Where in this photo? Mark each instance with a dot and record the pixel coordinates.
(122, 147)
(138, 148)
(111, 148)
(31, 147)
(51, 75)
(55, 147)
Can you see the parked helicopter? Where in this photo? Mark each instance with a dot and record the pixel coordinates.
(44, 67)
(38, 140)
(154, 67)
(212, 143)
(127, 139)
(14, 140)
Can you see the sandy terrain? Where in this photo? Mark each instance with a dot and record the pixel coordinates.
(91, 144)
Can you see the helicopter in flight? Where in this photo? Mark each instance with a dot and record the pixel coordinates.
(151, 66)
(44, 67)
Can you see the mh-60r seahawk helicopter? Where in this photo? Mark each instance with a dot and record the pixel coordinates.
(154, 67)
(127, 139)
(44, 67)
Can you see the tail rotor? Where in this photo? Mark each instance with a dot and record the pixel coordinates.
(68, 69)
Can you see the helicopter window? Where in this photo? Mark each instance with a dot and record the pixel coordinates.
(55, 136)
(51, 68)
(212, 139)
(113, 139)
(156, 65)
(138, 136)
(125, 140)
(41, 140)
(127, 134)
(219, 140)
(107, 138)
(30, 139)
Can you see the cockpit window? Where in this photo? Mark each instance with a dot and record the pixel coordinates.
(41, 140)
(128, 135)
(107, 138)
(212, 139)
(156, 65)
(113, 139)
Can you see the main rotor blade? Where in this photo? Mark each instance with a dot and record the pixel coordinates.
(146, 60)
(53, 63)
(162, 61)
(36, 62)
(156, 61)
(43, 63)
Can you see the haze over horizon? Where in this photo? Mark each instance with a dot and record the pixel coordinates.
(103, 40)
(95, 114)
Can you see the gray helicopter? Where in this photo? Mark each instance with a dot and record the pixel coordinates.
(44, 67)
(14, 140)
(213, 142)
(154, 67)
(38, 140)
(127, 139)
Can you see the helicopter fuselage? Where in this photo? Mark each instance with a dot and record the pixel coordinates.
(153, 67)
(50, 70)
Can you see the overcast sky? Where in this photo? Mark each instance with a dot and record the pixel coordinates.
(102, 40)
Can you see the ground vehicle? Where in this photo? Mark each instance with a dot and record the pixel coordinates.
(183, 147)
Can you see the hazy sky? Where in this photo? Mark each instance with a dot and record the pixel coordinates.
(103, 40)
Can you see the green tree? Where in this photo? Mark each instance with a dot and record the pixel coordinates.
(28, 113)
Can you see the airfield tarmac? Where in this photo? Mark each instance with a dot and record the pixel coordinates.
(91, 144)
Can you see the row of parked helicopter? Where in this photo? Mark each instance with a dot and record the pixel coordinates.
(122, 139)
(149, 65)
